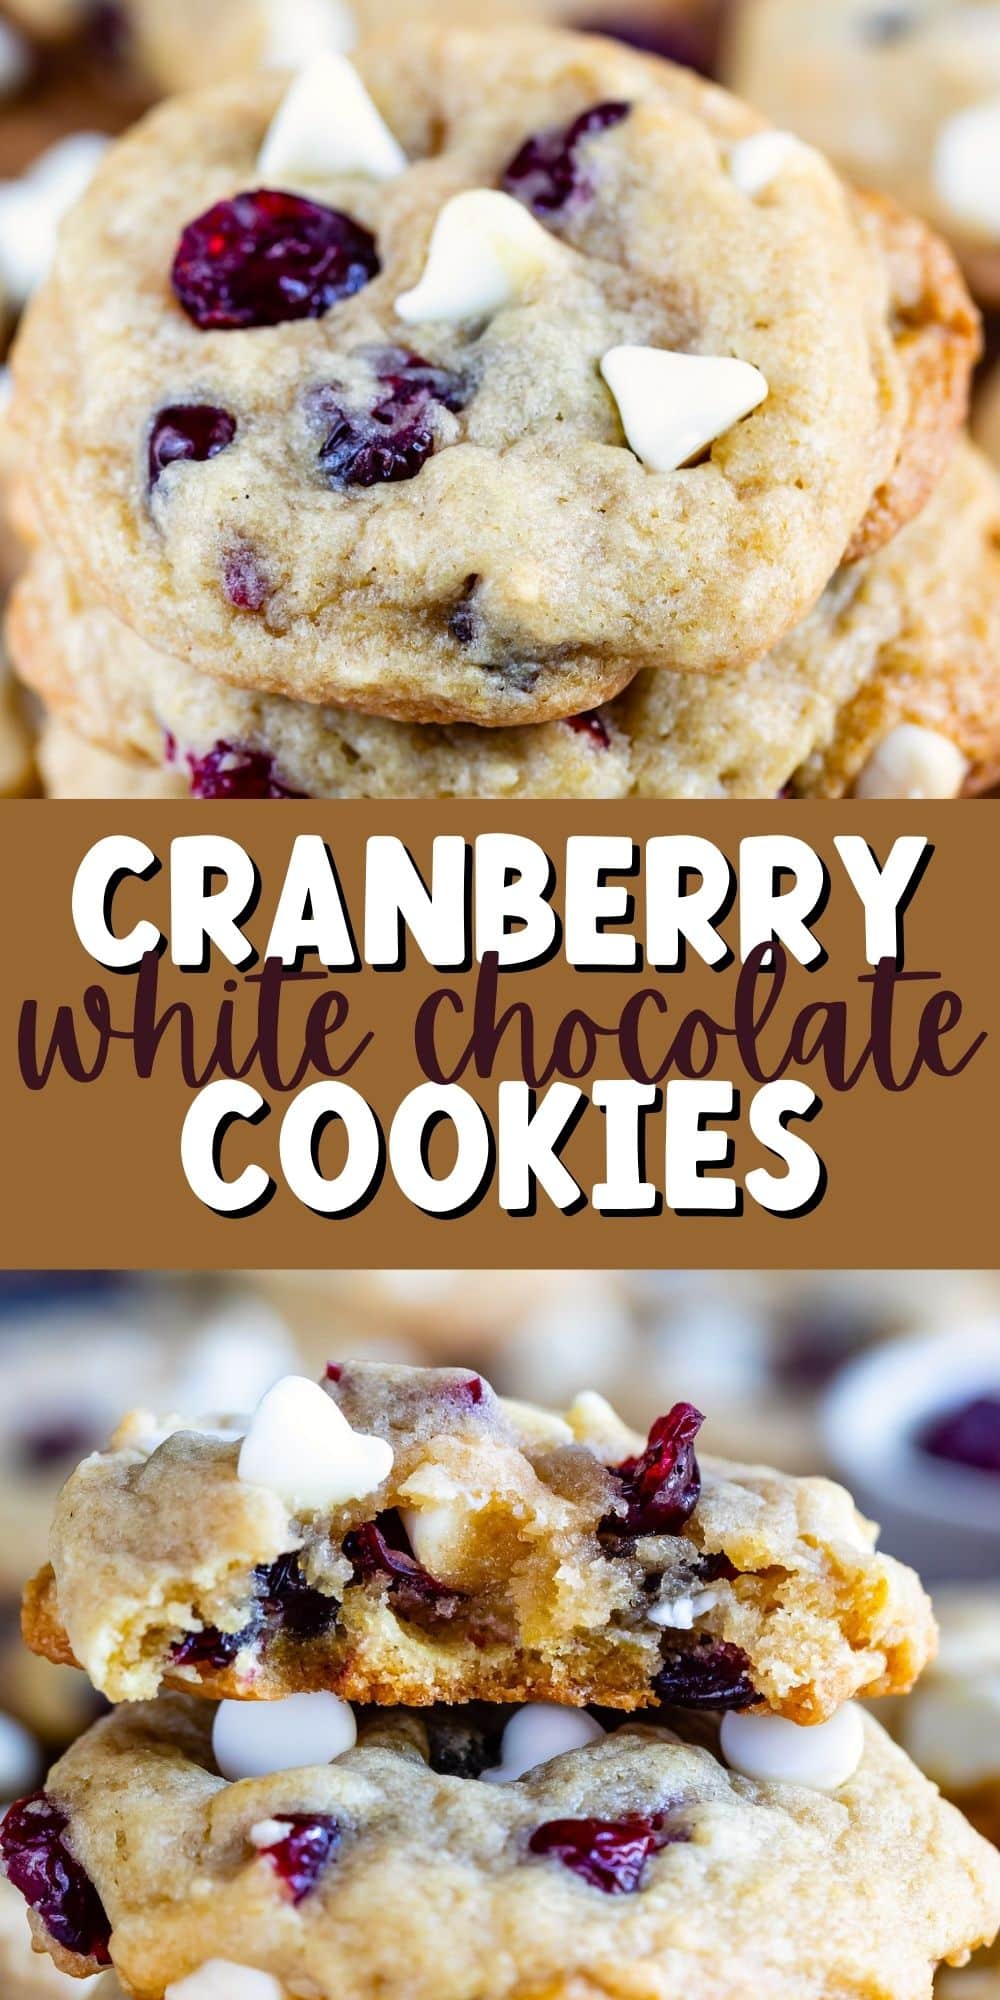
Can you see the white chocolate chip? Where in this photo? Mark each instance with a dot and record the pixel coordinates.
(252, 1739)
(952, 1730)
(327, 125)
(681, 1613)
(267, 1833)
(437, 1527)
(485, 251)
(775, 1751)
(15, 60)
(673, 406)
(755, 162)
(220, 1979)
(19, 1758)
(537, 1733)
(597, 1425)
(32, 208)
(298, 30)
(966, 167)
(302, 1447)
(912, 763)
(537, 1426)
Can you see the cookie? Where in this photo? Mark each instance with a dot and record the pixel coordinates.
(26, 1974)
(951, 1724)
(429, 501)
(904, 96)
(489, 1550)
(72, 768)
(906, 642)
(603, 1863)
(182, 48)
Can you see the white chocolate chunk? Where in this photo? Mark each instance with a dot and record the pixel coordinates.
(15, 60)
(756, 162)
(302, 1447)
(952, 1730)
(220, 1979)
(966, 167)
(437, 1527)
(673, 406)
(681, 1613)
(485, 250)
(267, 1833)
(539, 1426)
(32, 208)
(596, 1424)
(298, 30)
(253, 1739)
(537, 1733)
(912, 763)
(327, 125)
(19, 1758)
(775, 1751)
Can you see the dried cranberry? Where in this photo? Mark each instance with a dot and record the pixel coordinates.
(212, 1648)
(709, 1674)
(546, 175)
(380, 1549)
(468, 1392)
(292, 1604)
(968, 1435)
(393, 438)
(265, 257)
(310, 1844)
(610, 1854)
(197, 431)
(662, 1488)
(244, 582)
(51, 1880)
(283, 1601)
(463, 624)
(232, 771)
(591, 724)
(334, 1371)
(54, 1444)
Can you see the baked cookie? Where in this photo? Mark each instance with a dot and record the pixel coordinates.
(401, 1533)
(72, 768)
(905, 96)
(600, 1864)
(356, 446)
(951, 1725)
(68, 1368)
(182, 47)
(891, 687)
(30, 1975)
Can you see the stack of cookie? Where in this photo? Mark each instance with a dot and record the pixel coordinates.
(427, 1696)
(501, 415)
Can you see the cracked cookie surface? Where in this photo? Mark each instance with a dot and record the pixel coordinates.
(909, 638)
(507, 1554)
(533, 563)
(610, 1870)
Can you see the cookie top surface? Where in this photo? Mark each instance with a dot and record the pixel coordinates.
(513, 557)
(613, 1868)
(909, 639)
(903, 96)
(467, 1548)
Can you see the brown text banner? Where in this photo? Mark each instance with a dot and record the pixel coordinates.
(449, 1034)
